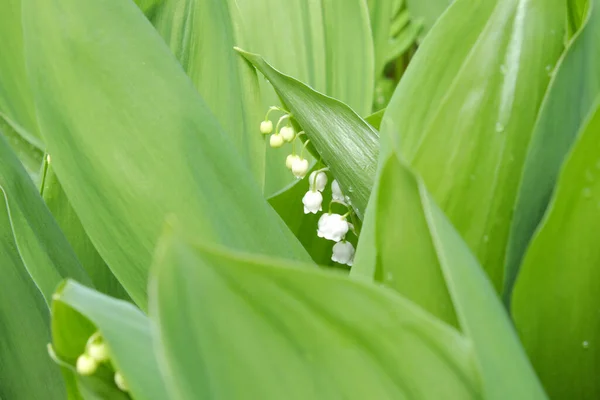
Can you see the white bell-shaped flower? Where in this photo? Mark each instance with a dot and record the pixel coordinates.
(336, 192)
(343, 253)
(86, 365)
(98, 351)
(332, 227)
(276, 140)
(289, 161)
(313, 202)
(317, 180)
(120, 382)
(300, 167)
(288, 134)
(266, 127)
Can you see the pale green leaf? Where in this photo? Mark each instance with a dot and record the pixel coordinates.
(132, 142)
(306, 334)
(381, 14)
(427, 12)
(556, 296)
(27, 148)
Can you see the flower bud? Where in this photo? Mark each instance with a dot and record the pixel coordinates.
(288, 134)
(318, 182)
(266, 127)
(300, 167)
(120, 382)
(276, 140)
(343, 253)
(312, 201)
(336, 192)
(289, 161)
(98, 351)
(86, 365)
(332, 227)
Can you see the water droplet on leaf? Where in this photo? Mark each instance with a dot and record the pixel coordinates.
(499, 127)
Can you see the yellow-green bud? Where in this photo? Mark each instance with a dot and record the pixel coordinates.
(86, 365)
(98, 351)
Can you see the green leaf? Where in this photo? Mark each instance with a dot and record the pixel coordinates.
(57, 202)
(201, 34)
(571, 98)
(464, 124)
(28, 148)
(345, 142)
(421, 256)
(16, 101)
(428, 11)
(556, 296)
(132, 142)
(307, 334)
(26, 371)
(375, 119)
(576, 12)
(42, 246)
(78, 312)
(380, 13)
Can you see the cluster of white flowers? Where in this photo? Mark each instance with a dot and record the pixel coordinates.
(286, 134)
(96, 352)
(331, 226)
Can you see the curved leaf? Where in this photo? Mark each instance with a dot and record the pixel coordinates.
(571, 97)
(307, 334)
(131, 140)
(556, 297)
(43, 248)
(464, 124)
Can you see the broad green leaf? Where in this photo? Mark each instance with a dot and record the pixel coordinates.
(325, 43)
(464, 124)
(78, 312)
(556, 296)
(202, 34)
(57, 202)
(26, 371)
(132, 142)
(306, 334)
(16, 100)
(381, 14)
(42, 246)
(28, 148)
(345, 142)
(427, 12)
(420, 255)
(571, 97)
(576, 12)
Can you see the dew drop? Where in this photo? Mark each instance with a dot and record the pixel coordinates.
(587, 192)
(350, 189)
(585, 344)
(499, 127)
(548, 68)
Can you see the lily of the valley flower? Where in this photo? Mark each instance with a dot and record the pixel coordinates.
(300, 167)
(266, 127)
(336, 192)
(288, 134)
(343, 253)
(289, 161)
(312, 201)
(332, 227)
(86, 365)
(276, 140)
(317, 180)
(98, 351)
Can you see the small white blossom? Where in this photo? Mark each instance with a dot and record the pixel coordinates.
(318, 182)
(98, 351)
(343, 253)
(332, 227)
(120, 382)
(266, 127)
(300, 167)
(288, 134)
(313, 202)
(276, 140)
(289, 161)
(86, 365)
(336, 192)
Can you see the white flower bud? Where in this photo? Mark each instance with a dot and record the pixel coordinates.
(312, 201)
(276, 140)
(120, 382)
(289, 161)
(98, 351)
(300, 167)
(336, 192)
(343, 253)
(332, 227)
(318, 183)
(86, 365)
(266, 127)
(288, 134)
